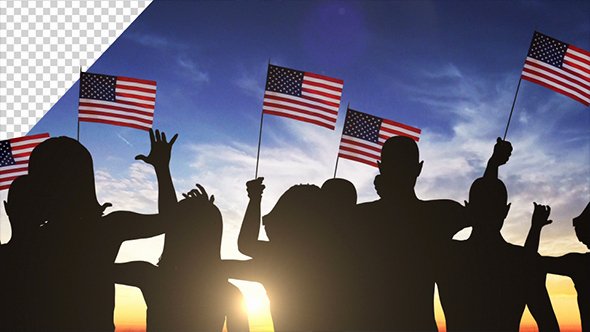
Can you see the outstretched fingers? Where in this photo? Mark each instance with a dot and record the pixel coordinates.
(199, 193)
(203, 191)
(152, 136)
(173, 139)
(158, 136)
(541, 214)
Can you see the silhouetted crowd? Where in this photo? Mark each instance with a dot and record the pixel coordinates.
(330, 264)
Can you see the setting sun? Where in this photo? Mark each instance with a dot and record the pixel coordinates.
(257, 305)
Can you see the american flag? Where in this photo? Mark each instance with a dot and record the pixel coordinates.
(559, 66)
(302, 96)
(364, 134)
(117, 100)
(14, 157)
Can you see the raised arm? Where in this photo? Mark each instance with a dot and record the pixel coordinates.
(159, 158)
(133, 273)
(126, 225)
(538, 300)
(502, 152)
(129, 225)
(564, 265)
(248, 239)
(539, 220)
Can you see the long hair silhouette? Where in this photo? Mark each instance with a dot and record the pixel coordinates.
(78, 244)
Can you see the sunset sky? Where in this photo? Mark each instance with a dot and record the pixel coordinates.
(450, 68)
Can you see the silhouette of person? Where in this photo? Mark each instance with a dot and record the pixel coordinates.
(485, 282)
(395, 239)
(282, 264)
(330, 262)
(573, 265)
(78, 242)
(18, 259)
(189, 290)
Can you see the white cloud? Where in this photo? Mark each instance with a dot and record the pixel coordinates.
(250, 85)
(546, 169)
(155, 41)
(190, 68)
(249, 81)
(185, 59)
(446, 71)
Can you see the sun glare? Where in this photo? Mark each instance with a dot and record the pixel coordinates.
(256, 304)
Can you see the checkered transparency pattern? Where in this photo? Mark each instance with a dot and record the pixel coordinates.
(43, 44)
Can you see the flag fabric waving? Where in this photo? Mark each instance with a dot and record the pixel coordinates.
(117, 100)
(558, 66)
(14, 157)
(302, 96)
(363, 136)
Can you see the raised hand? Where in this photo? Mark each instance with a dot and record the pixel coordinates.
(541, 215)
(160, 149)
(255, 187)
(199, 194)
(502, 152)
(540, 219)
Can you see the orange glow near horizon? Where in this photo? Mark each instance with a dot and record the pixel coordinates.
(130, 307)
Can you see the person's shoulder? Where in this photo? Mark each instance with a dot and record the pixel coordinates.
(115, 216)
(366, 207)
(369, 204)
(577, 257)
(447, 212)
(442, 204)
(520, 254)
(458, 247)
(518, 250)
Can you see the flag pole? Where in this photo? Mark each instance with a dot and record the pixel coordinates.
(261, 122)
(79, 92)
(341, 135)
(512, 109)
(259, 141)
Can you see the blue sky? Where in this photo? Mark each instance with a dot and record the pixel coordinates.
(450, 68)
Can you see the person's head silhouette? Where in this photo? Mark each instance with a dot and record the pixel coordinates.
(339, 193)
(194, 236)
(63, 173)
(582, 226)
(399, 167)
(22, 208)
(293, 214)
(487, 206)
